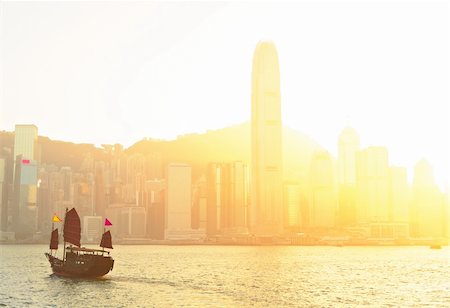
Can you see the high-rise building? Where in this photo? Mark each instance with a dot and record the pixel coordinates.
(199, 204)
(3, 195)
(426, 208)
(156, 190)
(25, 141)
(178, 209)
(218, 198)
(154, 166)
(266, 217)
(135, 176)
(66, 178)
(348, 146)
(239, 196)
(6, 186)
(43, 201)
(92, 228)
(399, 198)
(227, 198)
(83, 193)
(372, 181)
(99, 193)
(25, 198)
(323, 196)
(133, 222)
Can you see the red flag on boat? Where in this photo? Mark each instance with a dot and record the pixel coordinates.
(107, 222)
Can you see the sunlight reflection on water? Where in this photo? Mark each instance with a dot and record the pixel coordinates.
(166, 276)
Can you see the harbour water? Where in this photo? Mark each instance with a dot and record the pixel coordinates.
(235, 276)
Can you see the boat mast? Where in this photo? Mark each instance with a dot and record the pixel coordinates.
(64, 248)
(53, 228)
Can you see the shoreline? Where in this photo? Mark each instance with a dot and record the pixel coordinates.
(189, 243)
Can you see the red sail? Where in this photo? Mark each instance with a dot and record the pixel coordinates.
(54, 239)
(72, 227)
(106, 240)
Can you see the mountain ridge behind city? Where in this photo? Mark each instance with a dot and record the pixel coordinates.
(197, 149)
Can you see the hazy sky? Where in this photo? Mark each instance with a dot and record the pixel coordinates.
(108, 72)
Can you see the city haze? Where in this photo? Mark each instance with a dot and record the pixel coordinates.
(118, 72)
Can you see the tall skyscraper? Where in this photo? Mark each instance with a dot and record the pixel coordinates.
(66, 177)
(348, 145)
(24, 212)
(3, 196)
(154, 166)
(239, 196)
(156, 190)
(178, 213)
(199, 204)
(426, 207)
(25, 141)
(6, 186)
(372, 177)
(227, 198)
(99, 201)
(323, 196)
(399, 198)
(266, 217)
(25, 198)
(217, 198)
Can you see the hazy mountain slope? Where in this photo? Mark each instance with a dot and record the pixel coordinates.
(228, 144)
(222, 145)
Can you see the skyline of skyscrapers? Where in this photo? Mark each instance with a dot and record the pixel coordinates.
(406, 210)
(359, 193)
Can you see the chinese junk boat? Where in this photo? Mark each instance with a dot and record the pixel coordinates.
(78, 261)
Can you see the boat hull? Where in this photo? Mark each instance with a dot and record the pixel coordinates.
(81, 266)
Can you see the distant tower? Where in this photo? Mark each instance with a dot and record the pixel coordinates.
(372, 177)
(348, 146)
(426, 206)
(266, 209)
(323, 198)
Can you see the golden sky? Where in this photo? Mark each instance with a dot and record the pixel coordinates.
(110, 72)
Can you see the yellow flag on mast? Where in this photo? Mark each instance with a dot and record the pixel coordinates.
(56, 218)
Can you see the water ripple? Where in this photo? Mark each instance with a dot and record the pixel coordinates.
(199, 276)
